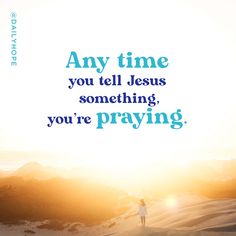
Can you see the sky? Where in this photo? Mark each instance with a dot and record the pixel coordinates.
(198, 38)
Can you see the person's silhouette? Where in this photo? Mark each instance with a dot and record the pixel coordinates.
(142, 211)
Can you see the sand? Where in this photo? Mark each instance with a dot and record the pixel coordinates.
(190, 215)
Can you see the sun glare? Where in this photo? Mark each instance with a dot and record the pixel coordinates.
(171, 202)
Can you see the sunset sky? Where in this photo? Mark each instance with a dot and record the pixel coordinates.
(198, 37)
